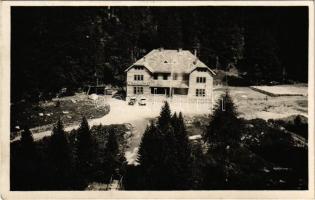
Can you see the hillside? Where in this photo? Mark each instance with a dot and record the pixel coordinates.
(60, 47)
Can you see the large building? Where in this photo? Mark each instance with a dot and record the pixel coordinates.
(169, 73)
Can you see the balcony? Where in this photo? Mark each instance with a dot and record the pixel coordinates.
(144, 83)
(169, 83)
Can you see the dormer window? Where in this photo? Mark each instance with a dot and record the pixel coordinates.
(138, 68)
(201, 69)
(165, 61)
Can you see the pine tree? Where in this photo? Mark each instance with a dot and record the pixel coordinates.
(27, 142)
(225, 127)
(184, 152)
(85, 150)
(165, 117)
(60, 157)
(27, 155)
(164, 153)
(170, 176)
(112, 158)
(223, 135)
(174, 121)
(150, 158)
(148, 146)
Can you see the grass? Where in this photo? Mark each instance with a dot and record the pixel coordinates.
(42, 116)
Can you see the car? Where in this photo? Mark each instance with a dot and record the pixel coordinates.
(132, 101)
(142, 101)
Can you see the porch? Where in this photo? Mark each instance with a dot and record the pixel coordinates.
(168, 91)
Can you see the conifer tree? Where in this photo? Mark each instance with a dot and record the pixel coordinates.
(150, 158)
(161, 153)
(165, 116)
(112, 157)
(225, 127)
(60, 157)
(174, 121)
(223, 135)
(85, 149)
(27, 142)
(184, 151)
(27, 157)
(148, 146)
(170, 178)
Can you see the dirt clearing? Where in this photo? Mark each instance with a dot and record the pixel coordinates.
(282, 90)
(252, 104)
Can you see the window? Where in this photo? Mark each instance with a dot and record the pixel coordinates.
(155, 76)
(138, 68)
(138, 77)
(200, 92)
(201, 69)
(138, 90)
(174, 76)
(201, 79)
(165, 77)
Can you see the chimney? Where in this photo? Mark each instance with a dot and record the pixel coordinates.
(143, 58)
(180, 49)
(196, 58)
(161, 49)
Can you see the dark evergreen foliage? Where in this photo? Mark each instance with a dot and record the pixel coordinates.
(27, 142)
(113, 158)
(59, 158)
(223, 136)
(85, 151)
(55, 47)
(26, 177)
(165, 117)
(48, 164)
(225, 127)
(164, 154)
(184, 153)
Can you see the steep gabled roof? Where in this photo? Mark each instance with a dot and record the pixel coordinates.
(170, 61)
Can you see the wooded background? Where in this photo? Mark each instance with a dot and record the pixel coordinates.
(55, 47)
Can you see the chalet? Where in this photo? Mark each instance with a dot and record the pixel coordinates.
(169, 73)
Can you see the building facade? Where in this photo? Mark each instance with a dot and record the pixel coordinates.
(169, 73)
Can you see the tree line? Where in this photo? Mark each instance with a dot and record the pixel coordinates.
(64, 161)
(55, 47)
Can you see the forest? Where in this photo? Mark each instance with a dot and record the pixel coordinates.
(57, 47)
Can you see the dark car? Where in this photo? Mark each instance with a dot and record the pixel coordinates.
(132, 101)
(142, 101)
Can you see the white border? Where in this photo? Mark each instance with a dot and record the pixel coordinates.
(5, 110)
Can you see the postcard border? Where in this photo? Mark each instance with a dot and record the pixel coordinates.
(5, 111)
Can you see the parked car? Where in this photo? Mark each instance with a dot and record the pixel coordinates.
(132, 101)
(142, 101)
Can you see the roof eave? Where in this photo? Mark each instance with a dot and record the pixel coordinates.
(150, 70)
(212, 72)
